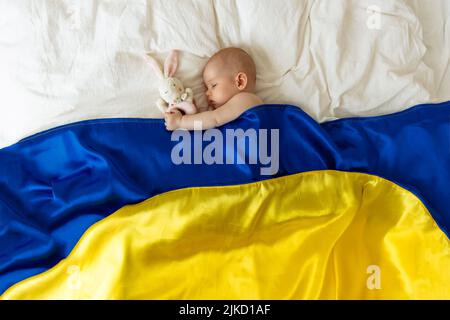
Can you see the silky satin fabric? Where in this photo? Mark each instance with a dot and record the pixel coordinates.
(307, 236)
(56, 184)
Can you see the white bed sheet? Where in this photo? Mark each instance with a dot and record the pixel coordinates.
(65, 61)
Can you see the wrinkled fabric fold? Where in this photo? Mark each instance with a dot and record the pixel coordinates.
(315, 235)
(56, 184)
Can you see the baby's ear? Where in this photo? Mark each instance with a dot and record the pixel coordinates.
(241, 81)
(171, 64)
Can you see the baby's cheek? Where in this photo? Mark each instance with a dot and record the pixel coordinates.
(225, 94)
(223, 97)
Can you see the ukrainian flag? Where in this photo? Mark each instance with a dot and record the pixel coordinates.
(358, 209)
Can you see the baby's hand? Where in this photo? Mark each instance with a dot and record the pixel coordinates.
(173, 119)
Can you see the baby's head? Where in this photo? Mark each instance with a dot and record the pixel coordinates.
(228, 72)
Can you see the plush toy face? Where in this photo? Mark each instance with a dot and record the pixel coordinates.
(171, 90)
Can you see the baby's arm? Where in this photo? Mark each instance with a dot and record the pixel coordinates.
(211, 119)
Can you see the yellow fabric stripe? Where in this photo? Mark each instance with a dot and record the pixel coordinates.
(323, 234)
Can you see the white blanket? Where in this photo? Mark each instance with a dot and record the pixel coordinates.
(69, 60)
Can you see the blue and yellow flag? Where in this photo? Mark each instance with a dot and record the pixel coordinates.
(354, 209)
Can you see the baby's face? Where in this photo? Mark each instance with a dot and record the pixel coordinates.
(220, 84)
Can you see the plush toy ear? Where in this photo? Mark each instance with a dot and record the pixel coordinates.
(171, 64)
(155, 66)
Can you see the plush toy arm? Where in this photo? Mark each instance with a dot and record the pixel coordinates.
(162, 105)
(188, 95)
(186, 107)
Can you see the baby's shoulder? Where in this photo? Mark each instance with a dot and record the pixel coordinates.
(247, 99)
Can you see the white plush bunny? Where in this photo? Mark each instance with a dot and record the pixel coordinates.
(172, 92)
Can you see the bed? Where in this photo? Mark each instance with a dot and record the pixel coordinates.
(68, 61)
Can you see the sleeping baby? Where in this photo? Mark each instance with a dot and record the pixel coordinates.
(230, 80)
